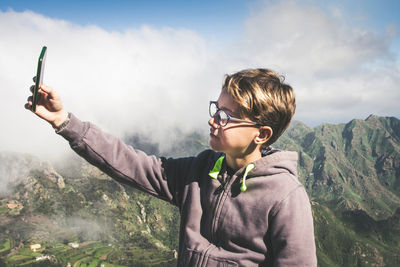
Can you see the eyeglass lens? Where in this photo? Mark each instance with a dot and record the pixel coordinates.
(213, 109)
(222, 118)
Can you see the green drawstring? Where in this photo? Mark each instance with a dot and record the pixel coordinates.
(246, 172)
(217, 168)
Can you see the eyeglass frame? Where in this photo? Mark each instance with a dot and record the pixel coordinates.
(230, 118)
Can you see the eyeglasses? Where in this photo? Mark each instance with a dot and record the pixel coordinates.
(222, 118)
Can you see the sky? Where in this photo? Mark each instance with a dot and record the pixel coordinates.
(150, 66)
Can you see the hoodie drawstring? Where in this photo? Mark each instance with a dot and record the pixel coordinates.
(246, 172)
(217, 168)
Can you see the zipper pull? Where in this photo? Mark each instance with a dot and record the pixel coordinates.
(219, 189)
(224, 183)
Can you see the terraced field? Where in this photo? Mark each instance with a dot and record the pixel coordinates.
(5, 246)
(87, 254)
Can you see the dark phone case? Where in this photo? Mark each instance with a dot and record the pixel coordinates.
(39, 77)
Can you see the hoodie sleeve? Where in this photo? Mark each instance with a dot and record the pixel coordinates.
(292, 231)
(125, 164)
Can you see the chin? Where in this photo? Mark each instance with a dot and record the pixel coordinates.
(213, 145)
(216, 147)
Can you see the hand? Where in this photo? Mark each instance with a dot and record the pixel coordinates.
(49, 106)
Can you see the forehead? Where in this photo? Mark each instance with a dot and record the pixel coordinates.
(226, 103)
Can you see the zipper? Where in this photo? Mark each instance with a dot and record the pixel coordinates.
(221, 190)
(222, 186)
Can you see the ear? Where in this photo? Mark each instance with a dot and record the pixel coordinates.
(264, 134)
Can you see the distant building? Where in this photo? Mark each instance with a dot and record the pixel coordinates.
(40, 258)
(35, 247)
(73, 245)
(12, 206)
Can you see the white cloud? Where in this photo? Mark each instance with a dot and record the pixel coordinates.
(151, 78)
(339, 71)
(141, 79)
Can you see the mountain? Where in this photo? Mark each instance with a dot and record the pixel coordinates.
(350, 166)
(352, 175)
(80, 216)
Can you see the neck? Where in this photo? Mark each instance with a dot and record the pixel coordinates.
(236, 163)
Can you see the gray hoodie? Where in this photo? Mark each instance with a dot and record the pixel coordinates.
(255, 217)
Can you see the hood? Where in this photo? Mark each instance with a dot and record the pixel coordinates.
(274, 161)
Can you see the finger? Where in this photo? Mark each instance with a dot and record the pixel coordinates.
(32, 88)
(34, 79)
(29, 103)
(29, 99)
(27, 106)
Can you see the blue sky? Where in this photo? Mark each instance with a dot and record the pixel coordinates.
(222, 18)
(218, 21)
(153, 65)
(212, 18)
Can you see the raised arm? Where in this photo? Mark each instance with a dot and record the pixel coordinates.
(160, 177)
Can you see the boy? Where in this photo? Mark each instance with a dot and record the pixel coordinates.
(241, 203)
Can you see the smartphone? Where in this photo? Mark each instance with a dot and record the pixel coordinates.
(39, 77)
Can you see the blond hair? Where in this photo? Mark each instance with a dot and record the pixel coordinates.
(263, 97)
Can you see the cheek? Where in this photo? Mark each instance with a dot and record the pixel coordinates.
(231, 138)
(239, 137)
(234, 138)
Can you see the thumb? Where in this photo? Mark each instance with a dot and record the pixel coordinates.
(48, 90)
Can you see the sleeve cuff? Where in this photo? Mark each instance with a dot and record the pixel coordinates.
(74, 129)
(63, 125)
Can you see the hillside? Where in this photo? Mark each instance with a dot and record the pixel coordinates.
(352, 175)
(353, 166)
(351, 172)
(77, 204)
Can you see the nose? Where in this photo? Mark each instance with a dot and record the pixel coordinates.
(213, 123)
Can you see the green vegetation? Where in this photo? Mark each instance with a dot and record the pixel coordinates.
(353, 239)
(357, 162)
(5, 246)
(93, 254)
(3, 209)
